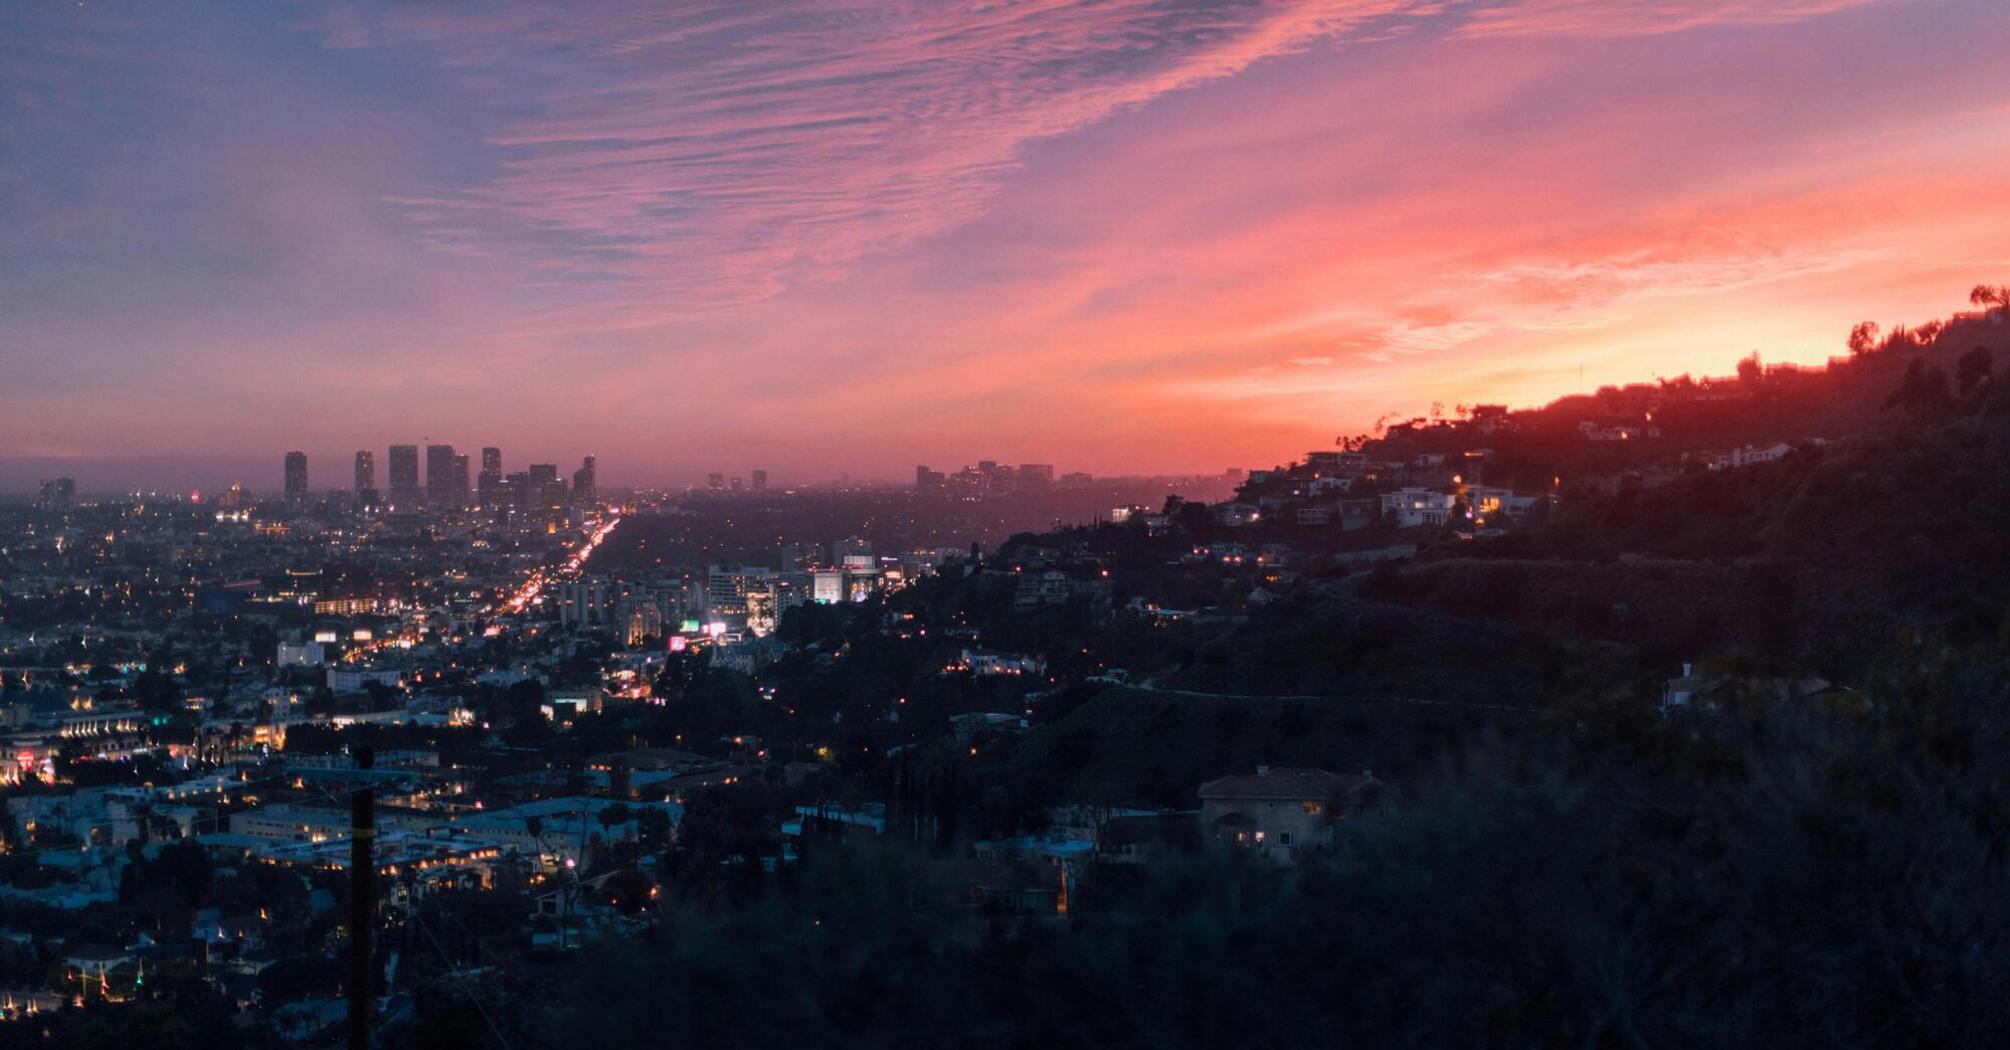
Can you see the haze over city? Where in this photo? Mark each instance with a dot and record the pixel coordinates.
(842, 238)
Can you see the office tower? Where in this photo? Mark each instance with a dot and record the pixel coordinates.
(546, 490)
(585, 487)
(517, 491)
(760, 481)
(366, 480)
(296, 477)
(57, 494)
(489, 483)
(925, 478)
(440, 476)
(405, 477)
(715, 482)
(463, 489)
(736, 483)
(1036, 473)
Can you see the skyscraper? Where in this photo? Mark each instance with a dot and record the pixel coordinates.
(488, 486)
(405, 476)
(461, 494)
(440, 476)
(57, 494)
(760, 481)
(296, 477)
(585, 487)
(546, 489)
(716, 482)
(366, 471)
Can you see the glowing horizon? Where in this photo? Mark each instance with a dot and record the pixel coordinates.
(841, 237)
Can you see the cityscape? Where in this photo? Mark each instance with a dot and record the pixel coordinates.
(1113, 525)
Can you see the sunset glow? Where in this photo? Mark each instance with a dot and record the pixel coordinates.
(839, 237)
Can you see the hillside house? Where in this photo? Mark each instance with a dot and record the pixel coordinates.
(1280, 813)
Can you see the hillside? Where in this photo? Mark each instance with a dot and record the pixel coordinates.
(1817, 557)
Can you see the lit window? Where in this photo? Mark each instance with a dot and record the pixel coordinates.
(1313, 809)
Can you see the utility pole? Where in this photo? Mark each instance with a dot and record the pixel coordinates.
(362, 903)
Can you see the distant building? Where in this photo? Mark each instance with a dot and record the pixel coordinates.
(927, 479)
(827, 586)
(545, 487)
(585, 483)
(489, 483)
(644, 621)
(366, 471)
(440, 475)
(57, 494)
(760, 481)
(715, 482)
(405, 476)
(296, 477)
(587, 602)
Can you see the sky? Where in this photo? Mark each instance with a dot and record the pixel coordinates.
(841, 237)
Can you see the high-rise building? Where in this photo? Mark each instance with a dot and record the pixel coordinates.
(760, 481)
(546, 488)
(461, 494)
(296, 477)
(58, 494)
(405, 477)
(440, 476)
(715, 481)
(1036, 473)
(489, 484)
(366, 480)
(585, 486)
(925, 478)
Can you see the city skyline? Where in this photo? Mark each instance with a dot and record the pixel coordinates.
(1138, 237)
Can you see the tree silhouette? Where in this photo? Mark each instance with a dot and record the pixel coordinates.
(1863, 338)
(1973, 369)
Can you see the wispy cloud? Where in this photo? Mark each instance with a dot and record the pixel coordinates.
(675, 159)
(1616, 18)
(704, 155)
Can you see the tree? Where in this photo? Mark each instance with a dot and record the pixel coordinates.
(156, 691)
(1973, 369)
(1863, 339)
(1923, 392)
(1991, 297)
(652, 827)
(1750, 371)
